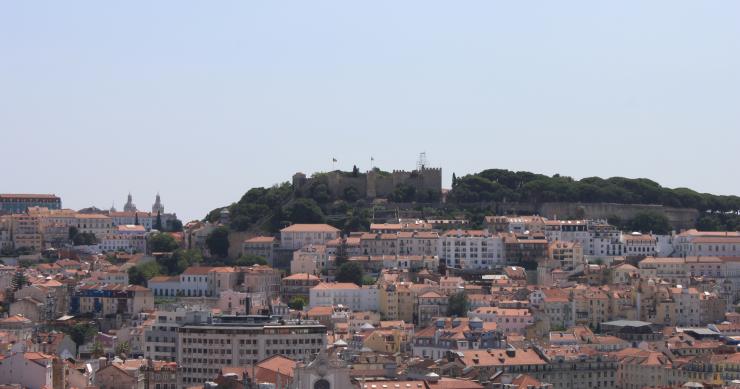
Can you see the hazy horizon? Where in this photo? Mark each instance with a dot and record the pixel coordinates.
(202, 101)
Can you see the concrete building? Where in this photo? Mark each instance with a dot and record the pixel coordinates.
(261, 246)
(347, 294)
(18, 203)
(298, 285)
(231, 341)
(111, 299)
(471, 249)
(298, 235)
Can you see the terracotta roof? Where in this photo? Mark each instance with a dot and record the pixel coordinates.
(336, 285)
(261, 239)
(309, 228)
(197, 270)
(320, 311)
(301, 277)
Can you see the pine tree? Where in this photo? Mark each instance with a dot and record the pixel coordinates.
(158, 223)
(136, 218)
(454, 180)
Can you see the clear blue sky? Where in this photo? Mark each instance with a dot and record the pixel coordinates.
(202, 100)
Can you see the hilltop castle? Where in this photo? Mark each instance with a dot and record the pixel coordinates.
(374, 183)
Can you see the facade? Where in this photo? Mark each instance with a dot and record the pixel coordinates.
(29, 370)
(311, 259)
(11, 203)
(261, 246)
(111, 299)
(298, 235)
(128, 238)
(298, 285)
(205, 348)
(471, 249)
(347, 294)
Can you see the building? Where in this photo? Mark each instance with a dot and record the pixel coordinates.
(11, 203)
(261, 246)
(205, 348)
(639, 245)
(471, 249)
(298, 235)
(29, 370)
(311, 259)
(347, 294)
(707, 243)
(128, 238)
(508, 320)
(111, 299)
(298, 285)
(456, 334)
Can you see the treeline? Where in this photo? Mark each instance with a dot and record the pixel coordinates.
(504, 185)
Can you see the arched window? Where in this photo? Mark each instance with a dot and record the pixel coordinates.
(321, 384)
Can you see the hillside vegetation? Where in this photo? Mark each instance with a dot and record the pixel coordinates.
(270, 209)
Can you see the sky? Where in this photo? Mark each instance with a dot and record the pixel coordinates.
(201, 101)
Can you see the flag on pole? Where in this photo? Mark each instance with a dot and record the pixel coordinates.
(334, 160)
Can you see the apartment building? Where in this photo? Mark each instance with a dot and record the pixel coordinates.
(203, 349)
(298, 235)
(261, 246)
(471, 249)
(347, 294)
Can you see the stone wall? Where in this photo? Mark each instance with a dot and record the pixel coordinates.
(680, 218)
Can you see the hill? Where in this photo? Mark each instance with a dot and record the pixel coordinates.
(474, 196)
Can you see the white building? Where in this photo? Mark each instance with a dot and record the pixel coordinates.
(471, 249)
(713, 243)
(346, 294)
(299, 235)
(29, 370)
(129, 238)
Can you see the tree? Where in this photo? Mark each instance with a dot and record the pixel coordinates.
(158, 222)
(350, 194)
(250, 260)
(140, 274)
(350, 272)
(173, 225)
(73, 231)
(162, 242)
(304, 211)
(355, 171)
(368, 280)
(97, 349)
(454, 180)
(650, 222)
(123, 349)
(81, 333)
(136, 218)
(403, 193)
(458, 305)
(218, 242)
(297, 303)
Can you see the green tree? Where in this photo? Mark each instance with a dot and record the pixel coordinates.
(368, 280)
(250, 260)
(140, 274)
(297, 303)
(304, 211)
(218, 242)
(650, 222)
(81, 333)
(97, 349)
(123, 349)
(403, 193)
(458, 305)
(162, 242)
(351, 194)
(350, 272)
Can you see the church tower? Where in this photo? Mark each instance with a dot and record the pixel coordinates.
(130, 206)
(157, 207)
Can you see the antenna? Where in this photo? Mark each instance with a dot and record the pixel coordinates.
(422, 162)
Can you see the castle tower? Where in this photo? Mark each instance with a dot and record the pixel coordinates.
(130, 206)
(157, 207)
